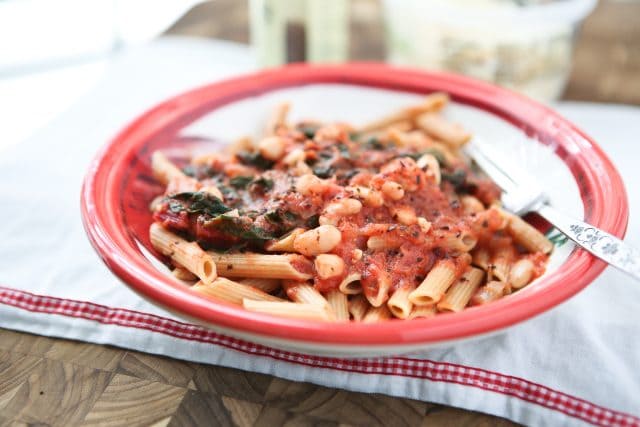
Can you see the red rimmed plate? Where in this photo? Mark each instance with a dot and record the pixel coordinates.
(119, 187)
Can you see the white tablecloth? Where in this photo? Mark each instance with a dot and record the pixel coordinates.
(575, 364)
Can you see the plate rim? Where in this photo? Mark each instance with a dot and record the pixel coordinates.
(105, 228)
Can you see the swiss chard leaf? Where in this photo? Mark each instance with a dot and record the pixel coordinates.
(265, 183)
(374, 143)
(458, 178)
(198, 202)
(308, 130)
(324, 171)
(254, 159)
(239, 227)
(240, 181)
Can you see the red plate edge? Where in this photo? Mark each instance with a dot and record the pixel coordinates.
(603, 188)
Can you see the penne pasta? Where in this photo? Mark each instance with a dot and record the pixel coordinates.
(433, 287)
(527, 235)
(399, 303)
(289, 309)
(459, 294)
(501, 261)
(284, 244)
(330, 222)
(376, 314)
(339, 304)
(460, 242)
(183, 274)
(422, 311)
(262, 266)
(433, 102)
(187, 254)
(232, 292)
(438, 127)
(163, 170)
(471, 205)
(265, 285)
(278, 118)
(358, 306)
(481, 258)
(241, 144)
(382, 291)
(492, 291)
(350, 285)
(303, 292)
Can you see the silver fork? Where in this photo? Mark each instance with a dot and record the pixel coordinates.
(522, 195)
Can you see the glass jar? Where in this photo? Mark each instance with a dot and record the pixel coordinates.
(285, 31)
(525, 45)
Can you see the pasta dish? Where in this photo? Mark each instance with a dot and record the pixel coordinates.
(333, 222)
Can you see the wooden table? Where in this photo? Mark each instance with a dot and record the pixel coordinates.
(46, 381)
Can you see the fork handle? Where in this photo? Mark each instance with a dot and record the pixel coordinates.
(600, 243)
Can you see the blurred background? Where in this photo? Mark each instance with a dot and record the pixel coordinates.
(54, 51)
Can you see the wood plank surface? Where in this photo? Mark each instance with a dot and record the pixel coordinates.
(56, 382)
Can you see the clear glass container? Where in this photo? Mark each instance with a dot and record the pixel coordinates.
(285, 31)
(525, 45)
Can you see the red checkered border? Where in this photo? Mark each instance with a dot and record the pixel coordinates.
(400, 366)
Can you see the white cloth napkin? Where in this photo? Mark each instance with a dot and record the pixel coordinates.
(575, 364)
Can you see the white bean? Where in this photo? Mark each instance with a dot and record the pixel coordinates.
(393, 190)
(271, 148)
(521, 273)
(317, 241)
(329, 265)
(308, 184)
(405, 215)
(424, 225)
(471, 205)
(432, 167)
(344, 207)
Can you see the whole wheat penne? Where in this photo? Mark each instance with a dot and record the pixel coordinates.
(433, 102)
(438, 127)
(461, 242)
(358, 306)
(433, 287)
(382, 294)
(344, 222)
(284, 244)
(163, 170)
(303, 292)
(233, 292)
(376, 314)
(183, 274)
(290, 266)
(528, 236)
(492, 291)
(459, 294)
(244, 143)
(501, 260)
(481, 258)
(350, 285)
(399, 303)
(290, 309)
(422, 311)
(471, 204)
(187, 254)
(339, 304)
(266, 285)
(278, 118)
